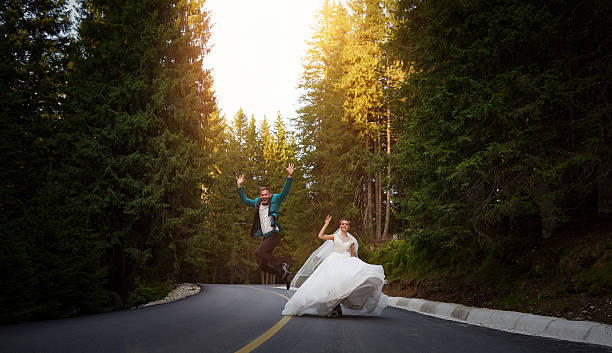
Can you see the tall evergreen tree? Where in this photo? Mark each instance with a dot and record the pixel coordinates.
(41, 268)
(345, 115)
(141, 119)
(261, 154)
(368, 74)
(331, 147)
(504, 120)
(229, 245)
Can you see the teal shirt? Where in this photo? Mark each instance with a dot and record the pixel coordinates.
(275, 202)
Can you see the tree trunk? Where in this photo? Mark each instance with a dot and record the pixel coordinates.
(368, 215)
(548, 216)
(378, 195)
(378, 206)
(388, 203)
(604, 190)
(363, 208)
(233, 264)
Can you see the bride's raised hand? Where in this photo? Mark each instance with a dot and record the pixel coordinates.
(322, 231)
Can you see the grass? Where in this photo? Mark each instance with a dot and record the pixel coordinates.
(569, 275)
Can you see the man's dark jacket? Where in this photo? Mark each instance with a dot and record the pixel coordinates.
(275, 202)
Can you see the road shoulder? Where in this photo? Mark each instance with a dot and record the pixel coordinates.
(511, 321)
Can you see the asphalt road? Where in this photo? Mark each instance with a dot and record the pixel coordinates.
(226, 318)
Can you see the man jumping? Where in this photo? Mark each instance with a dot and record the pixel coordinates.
(265, 224)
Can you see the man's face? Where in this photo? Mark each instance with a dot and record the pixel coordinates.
(264, 196)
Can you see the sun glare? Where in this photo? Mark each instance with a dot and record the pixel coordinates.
(256, 58)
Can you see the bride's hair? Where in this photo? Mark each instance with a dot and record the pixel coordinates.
(344, 219)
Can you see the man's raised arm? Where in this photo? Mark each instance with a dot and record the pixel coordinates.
(287, 186)
(245, 200)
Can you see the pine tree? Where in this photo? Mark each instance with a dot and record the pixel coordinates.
(230, 248)
(48, 270)
(500, 127)
(345, 112)
(331, 148)
(261, 154)
(368, 73)
(143, 114)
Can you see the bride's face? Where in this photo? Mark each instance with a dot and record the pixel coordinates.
(345, 225)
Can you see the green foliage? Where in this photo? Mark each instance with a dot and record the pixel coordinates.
(514, 273)
(335, 118)
(144, 294)
(118, 174)
(498, 126)
(49, 266)
(589, 268)
(106, 200)
(261, 153)
(139, 94)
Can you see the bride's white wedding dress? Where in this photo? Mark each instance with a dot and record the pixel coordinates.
(340, 279)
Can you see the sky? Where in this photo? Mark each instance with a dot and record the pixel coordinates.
(256, 56)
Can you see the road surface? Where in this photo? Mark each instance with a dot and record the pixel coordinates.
(228, 318)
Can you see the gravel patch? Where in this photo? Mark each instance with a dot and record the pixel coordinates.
(180, 291)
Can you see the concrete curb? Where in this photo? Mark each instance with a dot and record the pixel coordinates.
(511, 321)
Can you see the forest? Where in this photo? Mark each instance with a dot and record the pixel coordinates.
(469, 142)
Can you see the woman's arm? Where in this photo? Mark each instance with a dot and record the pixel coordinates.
(353, 249)
(322, 231)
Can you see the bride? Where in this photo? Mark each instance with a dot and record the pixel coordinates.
(334, 280)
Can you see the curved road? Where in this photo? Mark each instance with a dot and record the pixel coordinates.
(227, 318)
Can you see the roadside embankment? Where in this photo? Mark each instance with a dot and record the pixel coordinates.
(511, 321)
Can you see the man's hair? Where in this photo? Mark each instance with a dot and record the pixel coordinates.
(265, 188)
(344, 219)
